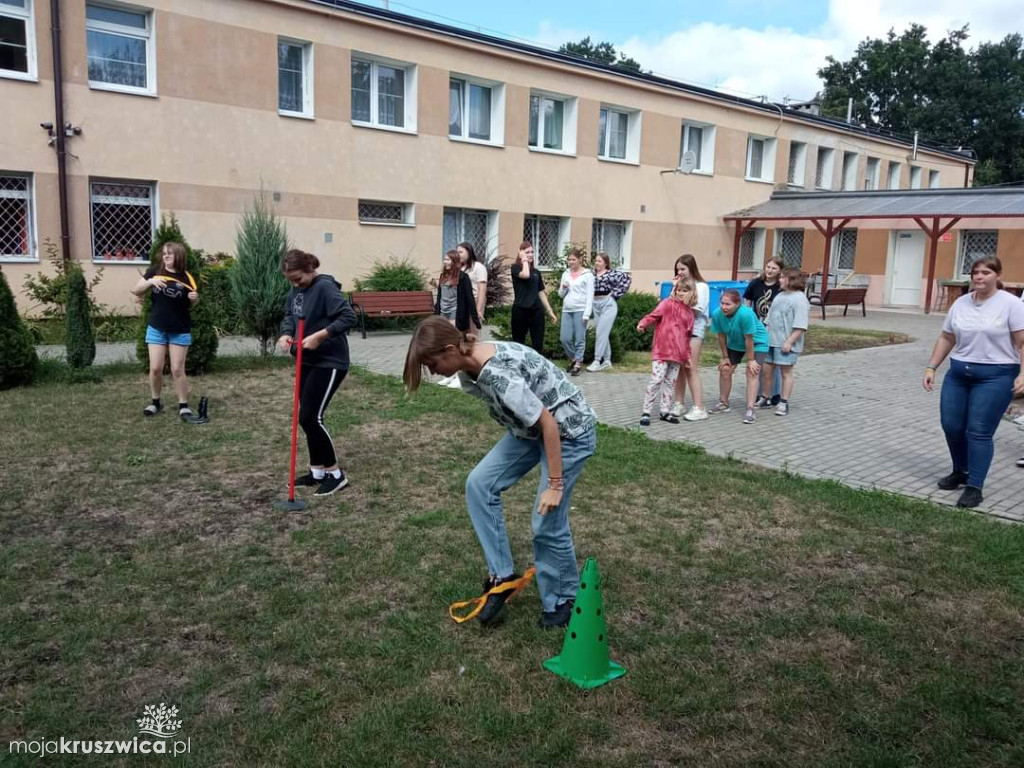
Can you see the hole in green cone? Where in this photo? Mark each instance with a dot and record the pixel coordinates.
(583, 585)
(573, 635)
(600, 638)
(580, 610)
(598, 611)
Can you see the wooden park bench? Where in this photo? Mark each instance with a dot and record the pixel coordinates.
(844, 297)
(391, 304)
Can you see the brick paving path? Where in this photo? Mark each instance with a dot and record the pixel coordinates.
(858, 417)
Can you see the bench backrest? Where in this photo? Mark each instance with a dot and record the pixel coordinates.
(845, 295)
(395, 302)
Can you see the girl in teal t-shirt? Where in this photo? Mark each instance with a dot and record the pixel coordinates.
(740, 334)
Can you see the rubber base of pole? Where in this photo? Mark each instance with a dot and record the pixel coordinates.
(298, 505)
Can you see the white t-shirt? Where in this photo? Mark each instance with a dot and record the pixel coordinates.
(477, 274)
(983, 330)
(577, 292)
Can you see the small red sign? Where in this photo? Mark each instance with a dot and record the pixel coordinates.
(946, 238)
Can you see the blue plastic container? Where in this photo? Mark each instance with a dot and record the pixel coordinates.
(716, 288)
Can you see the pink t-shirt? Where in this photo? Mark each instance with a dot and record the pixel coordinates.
(672, 335)
(982, 330)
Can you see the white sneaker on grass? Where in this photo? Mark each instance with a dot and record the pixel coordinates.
(594, 366)
(605, 365)
(696, 414)
(677, 409)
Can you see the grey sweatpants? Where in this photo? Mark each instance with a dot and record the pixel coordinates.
(606, 309)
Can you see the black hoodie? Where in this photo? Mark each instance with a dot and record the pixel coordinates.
(323, 306)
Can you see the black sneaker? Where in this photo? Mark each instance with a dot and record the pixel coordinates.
(330, 484)
(971, 497)
(671, 418)
(576, 369)
(763, 402)
(952, 481)
(308, 480)
(558, 617)
(492, 607)
(645, 420)
(152, 409)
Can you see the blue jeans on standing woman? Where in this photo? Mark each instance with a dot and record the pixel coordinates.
(974, 398)
(573, 335)
(554, 556)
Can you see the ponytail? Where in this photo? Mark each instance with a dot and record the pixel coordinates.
(431, 338)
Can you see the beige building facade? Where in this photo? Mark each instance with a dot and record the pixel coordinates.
(377, 135)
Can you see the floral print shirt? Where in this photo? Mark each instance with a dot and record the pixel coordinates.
(517, 384)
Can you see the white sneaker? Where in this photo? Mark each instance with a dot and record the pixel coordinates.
(696, 414)
(605, 365)
(677, 409)
(1019, 421)
(594, 366)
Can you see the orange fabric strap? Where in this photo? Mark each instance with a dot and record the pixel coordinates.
(478, 602)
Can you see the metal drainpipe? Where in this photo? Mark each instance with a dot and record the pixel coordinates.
(61, 138)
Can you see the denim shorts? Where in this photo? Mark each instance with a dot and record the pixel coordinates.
(777, 357)
(700, 324)
(153, 336)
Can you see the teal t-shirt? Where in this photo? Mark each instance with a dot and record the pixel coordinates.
(743, 323)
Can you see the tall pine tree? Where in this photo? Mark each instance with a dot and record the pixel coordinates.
(80, 343)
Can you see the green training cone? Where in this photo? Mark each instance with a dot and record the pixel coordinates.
(584, 656)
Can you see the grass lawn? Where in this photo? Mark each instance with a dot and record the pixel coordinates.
(819, 339)
(765, 620)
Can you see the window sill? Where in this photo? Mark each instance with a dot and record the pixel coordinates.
(389, 128)
(121, 89)
(19, 259)
(298, 115)
(479, 142)
(126, 262)
(403, 225)
(11, 74)
(618, 161)
(545, 151)
(759, 181)
(700, 172)
(823, 189)
(795, 186)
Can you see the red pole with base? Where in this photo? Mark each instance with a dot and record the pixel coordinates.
(293, 504)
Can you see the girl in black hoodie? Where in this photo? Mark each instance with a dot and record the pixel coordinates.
(328, 316)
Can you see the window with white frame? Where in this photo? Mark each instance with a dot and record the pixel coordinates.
(933, 179)
(873, 173)
(383, 93)
(823, 170)
(760, 158)
(894, 175)
(476, 110)
(849, 170)
(976, 244)
(294, 77)
(618, 134)
(16, 231)
(844, 251)
(789, 246)
(17, 40)
(123, 217)
(699, 138)
(119, 40)
(382, 212)
(915, 177)
(752, 249)
(797, 167)
(469, 225)
(611, 238)
(552, 123)
(549, 234)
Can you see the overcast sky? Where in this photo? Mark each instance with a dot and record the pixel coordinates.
(771, 47)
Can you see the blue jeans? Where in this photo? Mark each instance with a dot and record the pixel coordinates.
(974, 398)
(554, 556)
(573, 335)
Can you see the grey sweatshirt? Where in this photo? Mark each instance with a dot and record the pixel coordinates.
(323, 306)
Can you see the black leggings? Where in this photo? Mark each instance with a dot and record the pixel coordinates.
(528, 319)
(318, 387)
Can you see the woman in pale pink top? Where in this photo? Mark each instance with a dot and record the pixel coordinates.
(673, 319)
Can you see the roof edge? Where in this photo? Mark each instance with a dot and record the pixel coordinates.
(964, 155)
